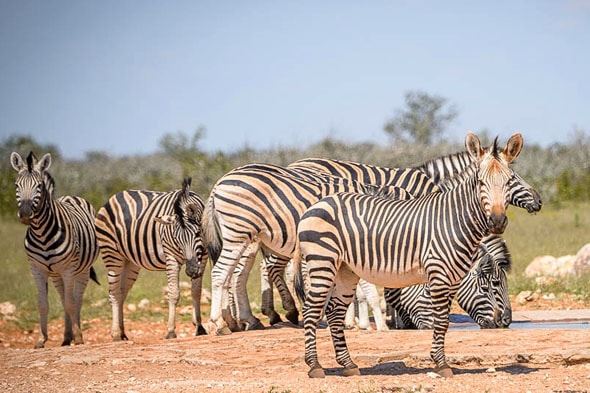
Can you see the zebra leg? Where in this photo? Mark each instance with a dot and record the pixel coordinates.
(122, 276)
(267, 294)
(442, 295)
(349, 319)
(41, 279)
(277, 271)
(374, 301)
(196, 289)
(320, 279)
(362, 320)
(172, 275)
(240, 281)
(80, 284)
(221, 275)
(71, 308)
(58, 283)
(344, 290)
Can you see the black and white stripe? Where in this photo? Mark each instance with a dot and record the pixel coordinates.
(398, 243)
(483, 293)
(60, 242)
(522, 195)
(157, 231)
(258, 206)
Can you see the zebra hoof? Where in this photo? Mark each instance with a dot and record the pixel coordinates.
(224, 331)
(274, 318)
(39, 345)
(352, 371)
(444, 371)
(170, 335)
(293, 317)
(255, 326)
(317, 372)
(200, 331)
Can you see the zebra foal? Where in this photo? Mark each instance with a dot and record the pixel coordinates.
(60, 242)
(154, 230)
(398, 243)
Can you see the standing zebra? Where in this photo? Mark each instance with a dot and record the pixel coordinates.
(521, 195)
(397, 243)
(483, 292)
(157, 231)
(258, 206)
(60, 242)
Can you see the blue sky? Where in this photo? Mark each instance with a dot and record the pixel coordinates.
(115, 76)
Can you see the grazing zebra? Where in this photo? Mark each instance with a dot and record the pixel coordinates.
(60, 242)
(157, 231)
(258, 206)
(398, 243)
(483, 292)
(521, 195)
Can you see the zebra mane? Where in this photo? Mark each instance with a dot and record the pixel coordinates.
(180, 199)
(31, 158)
(495, 150)
(450, 182)
(49, 183)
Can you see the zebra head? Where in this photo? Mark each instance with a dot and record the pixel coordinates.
(34, 185)
(184, 235)
(483, 293)
(523, 195)
(494, 177)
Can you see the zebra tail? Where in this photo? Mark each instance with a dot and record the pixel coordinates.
(93, 275)
(211, 230)
(298, 280)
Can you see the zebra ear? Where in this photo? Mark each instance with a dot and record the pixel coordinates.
(486, 265)
(513, 147)
(44, 163)
(17, 161)
(165, 220)
(473, 146)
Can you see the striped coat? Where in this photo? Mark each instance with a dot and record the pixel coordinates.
(397, 243)
(153, 230)
(60, 242)
(258, 206)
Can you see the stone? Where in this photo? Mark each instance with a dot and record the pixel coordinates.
(582, 260)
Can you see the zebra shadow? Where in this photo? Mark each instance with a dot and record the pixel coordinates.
(399, 368)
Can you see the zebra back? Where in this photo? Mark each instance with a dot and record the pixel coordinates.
(269, 199)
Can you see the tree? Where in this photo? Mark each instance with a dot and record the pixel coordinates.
(423, 121)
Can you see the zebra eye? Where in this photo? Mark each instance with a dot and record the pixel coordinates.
(496, 283)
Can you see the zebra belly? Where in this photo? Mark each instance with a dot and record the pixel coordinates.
(390, 279)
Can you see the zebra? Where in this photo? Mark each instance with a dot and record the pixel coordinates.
(397, 243)
(60, 242)
(366, 295)
(522, 195)
(483, 292)
(154, 230)
(258, 206)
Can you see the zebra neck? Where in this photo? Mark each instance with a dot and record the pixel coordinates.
(471, 212)
(45, 216)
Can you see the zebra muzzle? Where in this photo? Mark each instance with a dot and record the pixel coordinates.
(497, 223)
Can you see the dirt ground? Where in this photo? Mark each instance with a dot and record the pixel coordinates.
(509, 360)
